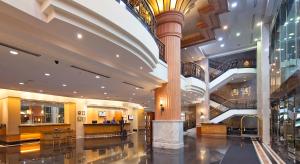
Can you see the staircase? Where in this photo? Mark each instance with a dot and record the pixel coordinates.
(221, 74)
(229, 108)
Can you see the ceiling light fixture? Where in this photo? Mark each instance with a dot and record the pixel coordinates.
(75, 92)
(291, 34)
(222, 45)
(117, 56)
(234, 4)
(259, 23)
(64, 85)
(102, 87)
(97, 77)
(105, 93)
(225, 27)
(47, 74)
(133, 94)
(238, 34)
(21, 83)
(40, 90)
(141, 68)
(13, 52)
(255, 39)
(220, 39)
(79, 36)
(137, 88)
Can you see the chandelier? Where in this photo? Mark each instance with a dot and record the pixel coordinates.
(160, 6)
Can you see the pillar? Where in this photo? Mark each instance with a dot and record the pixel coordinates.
(202, 108)
(263, 84)
(167, 126)
(11, 117)
(70, 114)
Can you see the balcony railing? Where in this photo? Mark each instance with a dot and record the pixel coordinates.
(235, 63)
(192, 70)
(142, 11)
(234, 103)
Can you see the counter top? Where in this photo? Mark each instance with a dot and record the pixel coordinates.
(46, 124)
(101, 124)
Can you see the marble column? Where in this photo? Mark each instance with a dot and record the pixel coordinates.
(263, 84)
(167, 126)
(202, 108)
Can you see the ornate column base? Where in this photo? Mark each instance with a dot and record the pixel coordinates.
(168, 134)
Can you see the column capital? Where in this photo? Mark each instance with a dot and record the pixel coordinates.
(170, 16)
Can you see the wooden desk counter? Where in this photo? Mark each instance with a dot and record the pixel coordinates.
(33, 131)
(94, 129)
(211, 129)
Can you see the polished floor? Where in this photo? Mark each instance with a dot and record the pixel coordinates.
(134, 149)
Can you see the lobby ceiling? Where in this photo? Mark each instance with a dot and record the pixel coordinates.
(88, 66)
(238, 29)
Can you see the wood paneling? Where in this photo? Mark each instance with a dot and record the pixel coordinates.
(211, 129)
(94, 129)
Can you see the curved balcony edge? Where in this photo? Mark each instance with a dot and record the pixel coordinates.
(96, 18)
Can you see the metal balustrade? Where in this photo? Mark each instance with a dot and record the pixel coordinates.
(142, 11)
(234, 103)
(191, 69)
(235, 63)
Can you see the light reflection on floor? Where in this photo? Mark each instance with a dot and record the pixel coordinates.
(131, 150)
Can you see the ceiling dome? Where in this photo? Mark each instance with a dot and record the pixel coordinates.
(160, 6)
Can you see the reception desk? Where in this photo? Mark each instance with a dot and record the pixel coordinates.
(211, 129)
(98, 129)
(34, 131)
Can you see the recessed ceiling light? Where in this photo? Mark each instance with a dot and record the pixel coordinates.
(64, 85)
(74, 92)
(79, 36)
(245, 80)
(222, 45)
(234, 4)
(102, 87)
(13, 52)
(117, 56)
(141, 68)
(47, 74)
(259, 24)
(133, 94)
(185, 48)
(97, 77)
(225, 27)
(220, 39)
(291, 34)
(238, 34)
(137, 88)
(81, 96)
(255, 39)
(192, 57)
(21, 83)
(41, 91)
(105, 93)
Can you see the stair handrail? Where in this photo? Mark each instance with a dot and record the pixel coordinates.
(235, 63)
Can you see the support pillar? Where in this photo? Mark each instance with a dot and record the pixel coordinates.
(167, 126)
(263, 84)
(70, 115)
(202, 109)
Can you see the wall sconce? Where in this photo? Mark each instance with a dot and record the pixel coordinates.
(161, 104)
(201, 115)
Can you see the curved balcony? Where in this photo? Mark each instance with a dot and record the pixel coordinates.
(141, 10)
(191, 69)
